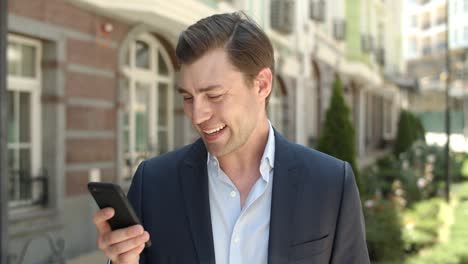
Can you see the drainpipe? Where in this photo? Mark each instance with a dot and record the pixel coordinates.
(447, 106)
(3, 137)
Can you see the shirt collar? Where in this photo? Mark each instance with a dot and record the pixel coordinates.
(268, 158)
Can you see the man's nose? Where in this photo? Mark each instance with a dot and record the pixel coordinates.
(201, 112)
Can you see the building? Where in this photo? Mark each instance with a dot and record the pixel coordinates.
(91, 88)
(425, 53)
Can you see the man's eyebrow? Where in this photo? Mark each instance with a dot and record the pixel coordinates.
(201, 90)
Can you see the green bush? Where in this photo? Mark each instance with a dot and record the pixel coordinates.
(455, 250)
(457, 161)
(384, 237)
(410, 129)
(337, 137)
(382, 178)
(421, 224)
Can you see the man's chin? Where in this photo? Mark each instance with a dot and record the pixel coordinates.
(216, 150)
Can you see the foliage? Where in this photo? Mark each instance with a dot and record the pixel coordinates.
(421, 225)
(337, 138)
(454, 251)
(390, 179)
(384, 237)
(410, 129)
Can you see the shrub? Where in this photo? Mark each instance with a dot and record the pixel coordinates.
(384, 237)
(409, 130)
(421, 225)
(453, 251)
(337, 137)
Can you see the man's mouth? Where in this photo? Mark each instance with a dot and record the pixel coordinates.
(214, 130)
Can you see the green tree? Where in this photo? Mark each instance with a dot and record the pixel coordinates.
(337, 137)
(410, 129)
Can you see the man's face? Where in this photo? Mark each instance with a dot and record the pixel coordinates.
(222, 108)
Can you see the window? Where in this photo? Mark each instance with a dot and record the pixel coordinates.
(388, 118)
(148, 96)
(414, 21)
(413, 46)
(26, 185)
(275, 106)
(465, 6)
(465, 33)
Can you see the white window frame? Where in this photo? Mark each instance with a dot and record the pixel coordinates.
(151, 77)
(388, 118)
(32, 85)
(275, 107)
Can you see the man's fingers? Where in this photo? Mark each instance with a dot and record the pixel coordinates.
(123, 234)
(128, 245)
(101, 217)
(131, 256)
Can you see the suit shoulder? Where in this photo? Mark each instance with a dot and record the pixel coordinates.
(308, 155)
(168, 157)
(164, 166)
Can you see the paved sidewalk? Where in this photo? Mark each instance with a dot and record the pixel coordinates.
(91, 258)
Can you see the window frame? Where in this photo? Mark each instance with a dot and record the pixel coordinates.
(33, 86)
(152, 77)
(275, 106)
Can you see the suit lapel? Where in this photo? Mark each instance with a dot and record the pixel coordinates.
(284, 200)
(194, 181)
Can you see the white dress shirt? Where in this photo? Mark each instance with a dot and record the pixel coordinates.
(240, 234)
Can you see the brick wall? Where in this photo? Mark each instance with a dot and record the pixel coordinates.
(89, 92)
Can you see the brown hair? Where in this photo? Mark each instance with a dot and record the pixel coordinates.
(247, 46)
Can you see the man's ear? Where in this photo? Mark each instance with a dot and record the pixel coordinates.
(263, 82)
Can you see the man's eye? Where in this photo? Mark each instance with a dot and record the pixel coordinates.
(188, 98)
(215, 96)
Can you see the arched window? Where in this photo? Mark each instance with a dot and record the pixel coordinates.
(148, 102)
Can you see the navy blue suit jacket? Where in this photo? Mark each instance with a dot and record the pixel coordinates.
(316, 214)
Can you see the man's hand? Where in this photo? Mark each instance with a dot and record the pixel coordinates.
(122, 246)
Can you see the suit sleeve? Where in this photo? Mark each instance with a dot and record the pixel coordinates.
(135, 194)
(350, 237)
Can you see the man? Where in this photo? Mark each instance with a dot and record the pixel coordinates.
(242, 193)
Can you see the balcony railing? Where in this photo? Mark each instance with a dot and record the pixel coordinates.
(27, 190)
(282, 16)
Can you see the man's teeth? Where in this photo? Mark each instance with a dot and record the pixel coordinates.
(214, 130)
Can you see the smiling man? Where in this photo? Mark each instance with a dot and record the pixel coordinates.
(241, 193)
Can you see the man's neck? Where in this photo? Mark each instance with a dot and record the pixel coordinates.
(247, 159)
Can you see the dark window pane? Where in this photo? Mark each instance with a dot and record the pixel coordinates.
(13, 181)
(25, 117)
(25, 160)
(162, 142)
(162, 104)
(25, 174)
(142, 55)
(125, 99)
(12, 122)
(162, 66)
(141, 116)
(28, 61)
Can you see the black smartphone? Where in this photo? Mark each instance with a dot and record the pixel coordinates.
(111, 195)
